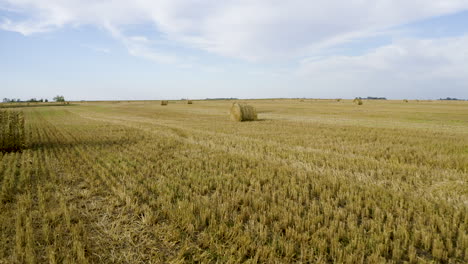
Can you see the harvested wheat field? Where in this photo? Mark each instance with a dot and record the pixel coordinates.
(318, 181)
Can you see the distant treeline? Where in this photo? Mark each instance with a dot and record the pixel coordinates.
(452, 99)
(58, 98)
(32, 100)
(373, 98)
(232, 98)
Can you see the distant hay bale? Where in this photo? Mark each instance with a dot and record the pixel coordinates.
(11, 130)
(405, 100)
(358, 101)
(338, 100)
(243, 112)
(189, 102)
(164, 102)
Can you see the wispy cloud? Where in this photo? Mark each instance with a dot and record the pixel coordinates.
(251, 30)
(141, 46)
(26, 28)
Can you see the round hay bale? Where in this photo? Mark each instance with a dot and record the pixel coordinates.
(164, 102)
(357, 101)
(243, 112)
(189, 102)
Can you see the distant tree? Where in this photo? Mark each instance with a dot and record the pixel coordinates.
(59, 98)
(6, 100)
(46, 100)
(41, 100)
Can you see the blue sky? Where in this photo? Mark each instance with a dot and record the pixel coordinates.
(171, 49)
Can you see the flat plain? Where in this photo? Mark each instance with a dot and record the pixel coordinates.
(313, 181)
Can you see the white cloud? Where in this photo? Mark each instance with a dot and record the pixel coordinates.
(141, 46)
(26, 27)
(252, 30)
(408, 66)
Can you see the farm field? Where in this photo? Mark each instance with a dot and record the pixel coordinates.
(313, 181)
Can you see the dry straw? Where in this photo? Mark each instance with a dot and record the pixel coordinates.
(164, 102)
(243, 112)
(11, 130)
